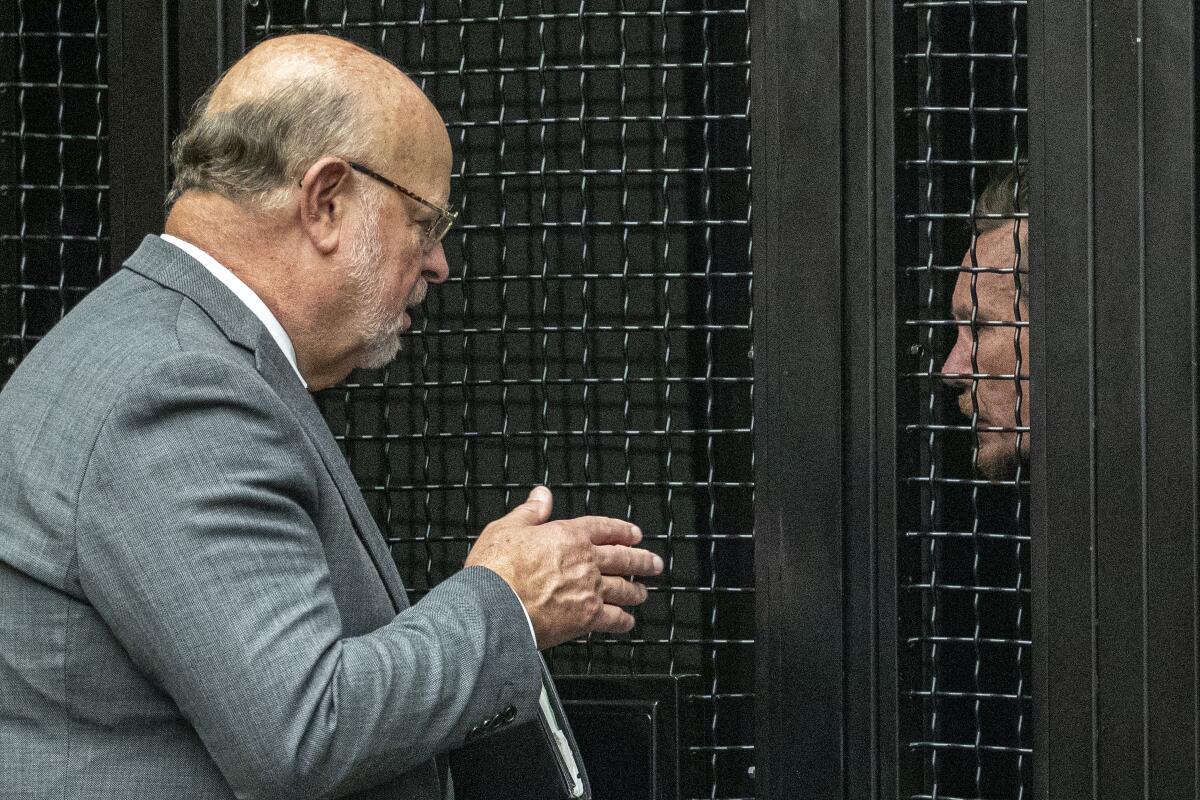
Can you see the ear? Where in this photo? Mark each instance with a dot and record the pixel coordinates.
(323, 202)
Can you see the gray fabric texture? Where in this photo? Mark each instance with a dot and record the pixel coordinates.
(194, 599)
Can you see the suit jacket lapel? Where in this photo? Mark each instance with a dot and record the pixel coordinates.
(169, 266)
(279, 373)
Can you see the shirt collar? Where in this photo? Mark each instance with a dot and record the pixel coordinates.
(244, 293)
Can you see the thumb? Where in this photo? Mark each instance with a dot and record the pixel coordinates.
(534, 511)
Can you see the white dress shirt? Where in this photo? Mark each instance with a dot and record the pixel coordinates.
(244, 293)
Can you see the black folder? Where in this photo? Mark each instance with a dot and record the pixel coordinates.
(537, 760)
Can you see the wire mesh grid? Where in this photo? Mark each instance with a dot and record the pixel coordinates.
(53, 175)
(964, 538)
(595, 334)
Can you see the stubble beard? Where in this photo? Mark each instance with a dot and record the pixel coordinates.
(996, 456)
(378, 328)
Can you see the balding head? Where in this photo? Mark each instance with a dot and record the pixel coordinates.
(266, 183)
(292, 100)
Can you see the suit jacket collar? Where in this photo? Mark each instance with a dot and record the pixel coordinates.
(174, 269)
(169, 266)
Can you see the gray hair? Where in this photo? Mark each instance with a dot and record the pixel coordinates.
(1007, 193)
(251, 152)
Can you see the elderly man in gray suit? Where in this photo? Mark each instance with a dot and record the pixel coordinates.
(194, 600)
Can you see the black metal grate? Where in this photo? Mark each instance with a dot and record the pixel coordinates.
(53, 176)
(964, 540)
(595, 334)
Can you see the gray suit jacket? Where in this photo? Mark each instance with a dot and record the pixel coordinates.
(194, 599)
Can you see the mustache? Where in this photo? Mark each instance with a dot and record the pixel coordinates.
(968, 409)
(418, 294)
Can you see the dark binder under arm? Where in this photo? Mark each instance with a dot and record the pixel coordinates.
(537, 759)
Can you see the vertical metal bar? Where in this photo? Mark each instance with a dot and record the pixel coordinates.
(543, 356)
(99, 75)
(1171, 443)
(1062, 366)
(467, 390)
(976, 552)
(881, 390)
(749, 154)
(22, 178)
(664, 267)
(1120, 389)
(543, 340)
(61, 162)
(426, 411)
(1019, 262)
(798, 519)
(931, 455)
(585, 286)
(622, 105)
(709, 463)
(139, 118)
(866, 130)
(504, 325)
(905, 556)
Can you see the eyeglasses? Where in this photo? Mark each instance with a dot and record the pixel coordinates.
(445, 218)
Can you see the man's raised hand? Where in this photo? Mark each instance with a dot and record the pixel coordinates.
(570, 574)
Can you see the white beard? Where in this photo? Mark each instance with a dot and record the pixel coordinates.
(378, 328)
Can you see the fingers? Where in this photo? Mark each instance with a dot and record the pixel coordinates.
(613, 619)
(534, 511)
(619, 560)
(606, 530)
(621, 592)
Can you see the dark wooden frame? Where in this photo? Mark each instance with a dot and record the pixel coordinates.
(138, 111)
(824, 262)
(162, 55)
(1114, 409)
(1114, 406)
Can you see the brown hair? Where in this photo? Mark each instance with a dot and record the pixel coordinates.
(249, 152)
(1006, 194)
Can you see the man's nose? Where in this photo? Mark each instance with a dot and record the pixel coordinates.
(436, 269)
(956, 370)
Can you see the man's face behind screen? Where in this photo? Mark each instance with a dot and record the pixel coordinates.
(990, 358)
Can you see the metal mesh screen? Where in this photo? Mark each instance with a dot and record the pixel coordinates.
(53, 176)
(964, 580)
(595, 334)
